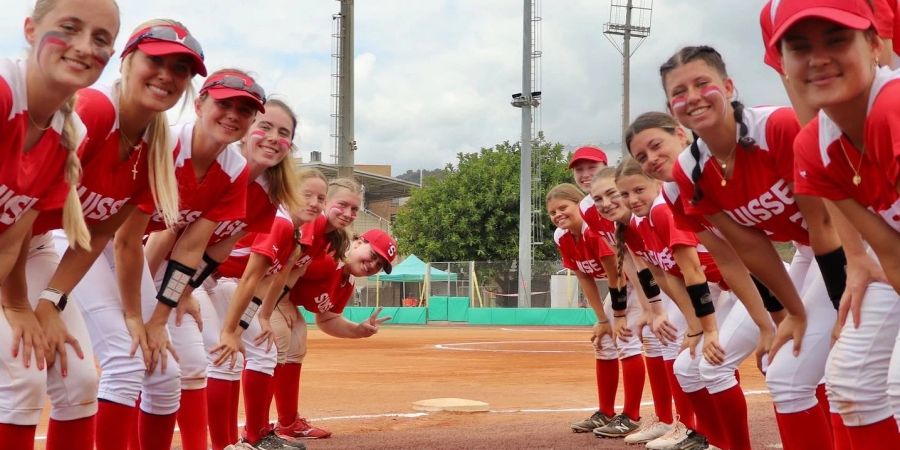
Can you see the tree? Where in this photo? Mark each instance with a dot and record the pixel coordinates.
(472, 213)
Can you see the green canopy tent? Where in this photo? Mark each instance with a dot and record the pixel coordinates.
(411, 270)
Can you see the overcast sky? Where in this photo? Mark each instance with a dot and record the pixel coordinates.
(434, 77)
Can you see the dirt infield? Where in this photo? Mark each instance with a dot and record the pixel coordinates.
(536, 380)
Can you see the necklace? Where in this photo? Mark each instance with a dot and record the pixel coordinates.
(132, 148)
(724, 166)
(856, 178)
(30, 119)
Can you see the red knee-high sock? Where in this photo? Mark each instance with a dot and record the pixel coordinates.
(659, 387)
(287, 392)
(114, 416)
(218, 406)
(882, 434)
(633, 376)
(607, 371)
(841, 437)
(811, 419)
(256, 402)
(192, 420)
(708, 421)
(17, 437)
(822, 397)
(233, 412)
(75, 434)
(682, 402)
(731, 403)
(156, 431)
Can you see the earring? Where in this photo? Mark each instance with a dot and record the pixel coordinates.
(787, 78)
(877, 63)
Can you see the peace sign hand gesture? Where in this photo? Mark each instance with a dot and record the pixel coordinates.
(370, 326)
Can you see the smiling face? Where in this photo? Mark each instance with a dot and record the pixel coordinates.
(638, 192)
(565, 214)
(608, 200)
(342, 208)
(269, 139)
(156, 82)
(657, 149)
(73, 41)
(584, 171)
(829, 65)
(698, 95)
(312, 191)
(362, 260)
(226, 120)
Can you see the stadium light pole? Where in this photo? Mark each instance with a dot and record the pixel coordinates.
(632, 27)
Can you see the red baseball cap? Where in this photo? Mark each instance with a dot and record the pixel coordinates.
(167, 39)
(231, 84)
(854, 14)
(588, 153)
(384, 245)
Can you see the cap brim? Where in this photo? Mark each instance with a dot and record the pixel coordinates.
(222, 92)
(838, 16)
(386, 267)
(162, 48)
(586, 158)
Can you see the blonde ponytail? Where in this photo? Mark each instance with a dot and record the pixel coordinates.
(73, 218)
(161, 170)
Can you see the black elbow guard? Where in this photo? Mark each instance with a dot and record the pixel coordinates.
(769, 300)
(648, 284)
(174, 281)
(834, 271)
(701, 299)
(206, 268)
(619, 298)
(247, 317)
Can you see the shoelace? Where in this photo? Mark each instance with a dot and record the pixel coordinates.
(648, 423)
(675, 431)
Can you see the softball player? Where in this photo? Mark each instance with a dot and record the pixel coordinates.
(750, 210)
(71, 42)
(582, 251)
(847, 155)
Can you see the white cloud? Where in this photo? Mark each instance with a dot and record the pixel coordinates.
(434, 78)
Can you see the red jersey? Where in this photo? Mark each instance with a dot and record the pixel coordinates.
(220, 196)
(259, 216)
(683, 220)
(758, 194)
(582, 254)
(33, 178)
(826, 159)
(324, 287)
(107, 182)
(661, 236)
(635, 241)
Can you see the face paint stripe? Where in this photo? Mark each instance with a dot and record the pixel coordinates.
(678, 102)
(53, 38)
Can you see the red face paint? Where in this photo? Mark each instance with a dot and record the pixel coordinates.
(257, 135)
(284, 143)
(711, 90)
(54, 38)
(102, 56)
(678, 103)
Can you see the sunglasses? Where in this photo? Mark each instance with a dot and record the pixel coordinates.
(234, 82)
(164, 33)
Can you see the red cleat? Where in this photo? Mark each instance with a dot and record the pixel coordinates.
(301, 429)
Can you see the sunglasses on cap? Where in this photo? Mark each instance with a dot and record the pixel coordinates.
(239, 83)
(166, 33)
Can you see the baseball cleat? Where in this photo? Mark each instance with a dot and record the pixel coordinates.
(676, 434)
(301, 429)
(597, 420)
(650, 429)
(619, 426)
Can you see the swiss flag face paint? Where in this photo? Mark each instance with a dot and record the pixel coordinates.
(711, 91)
(678, 103)
(257, 135)
(53, 39)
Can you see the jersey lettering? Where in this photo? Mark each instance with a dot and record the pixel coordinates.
(12, 205)
(768, 205)
(323, 302)
(589, 266)
(96, 206)
(229, 228)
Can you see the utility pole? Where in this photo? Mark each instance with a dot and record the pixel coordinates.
(637, 19)
(345, 139)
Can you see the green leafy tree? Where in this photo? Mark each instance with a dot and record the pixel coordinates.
(472, 212)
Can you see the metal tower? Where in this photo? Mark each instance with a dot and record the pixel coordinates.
(629, 19)
(528, 99)
(342, 89)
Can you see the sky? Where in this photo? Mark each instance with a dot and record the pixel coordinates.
(434, 77)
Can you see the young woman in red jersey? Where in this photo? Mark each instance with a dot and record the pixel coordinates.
(225, 305)
(848, 155)
(582, 251)
(71, 43)
(709, 382)
(127, 131)
(737, 174)
(325, 235)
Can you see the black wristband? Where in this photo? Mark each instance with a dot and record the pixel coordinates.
(254, 305)
(206, 268)
(285, 291)
(175, 280)
(699, 333)
(648, 283)
(619, 298)
(833, 266)
(700, 298)
(769, 300)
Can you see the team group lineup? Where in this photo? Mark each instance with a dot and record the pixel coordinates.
(175, 258)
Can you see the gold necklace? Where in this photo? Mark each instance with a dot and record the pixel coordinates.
(132, 148)
(724, 165)
(30, 119)
(857, 179)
